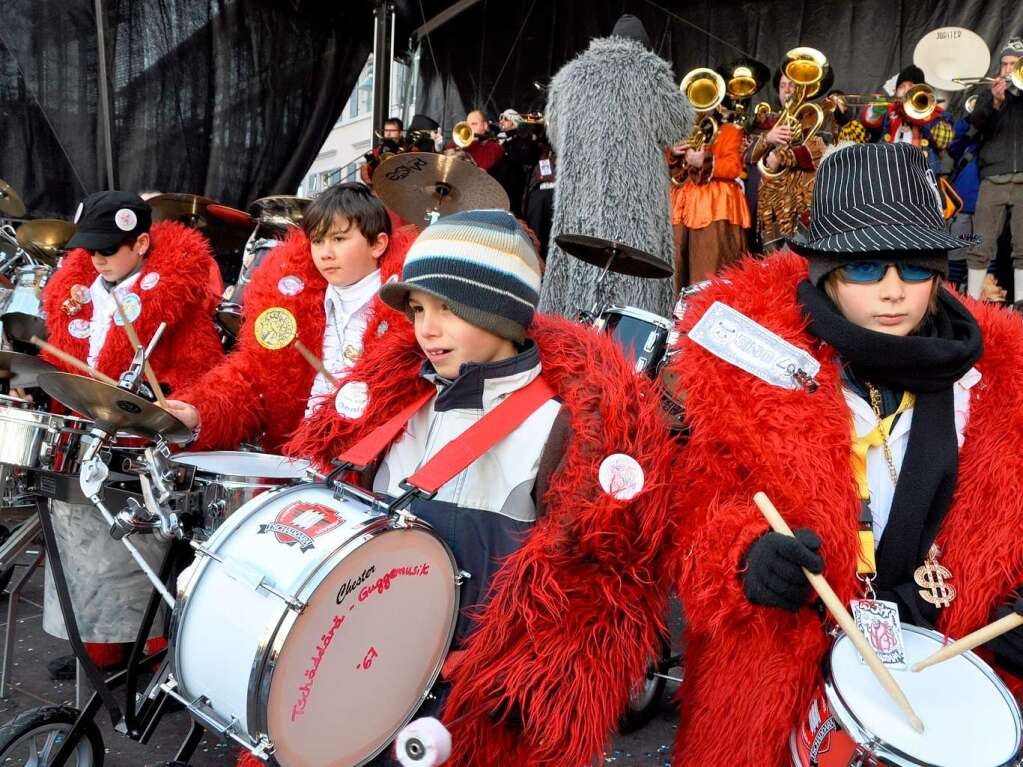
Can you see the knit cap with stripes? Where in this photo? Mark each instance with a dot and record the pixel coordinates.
(481, 264)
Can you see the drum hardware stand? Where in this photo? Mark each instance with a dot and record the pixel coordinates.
(588, 317)
(12, 606)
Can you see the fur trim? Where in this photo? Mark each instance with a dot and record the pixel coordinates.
(577, 611)
(260, 395)
(747, 436)
(190, 344)
(614, 94)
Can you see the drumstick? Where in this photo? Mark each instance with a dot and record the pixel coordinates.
(134, 339)
(72, 361)
(976, 639)
(843, 618)
(316, 362)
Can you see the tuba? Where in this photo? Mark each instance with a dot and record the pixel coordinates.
(705, 89)
(805, 68)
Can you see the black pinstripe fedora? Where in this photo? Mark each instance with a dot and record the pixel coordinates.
(870, 198)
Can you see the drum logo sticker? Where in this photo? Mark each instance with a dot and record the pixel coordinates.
(301, 523)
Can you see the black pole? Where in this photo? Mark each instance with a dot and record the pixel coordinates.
(104, 95)
(383, 23)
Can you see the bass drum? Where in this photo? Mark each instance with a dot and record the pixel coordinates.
(317, 627)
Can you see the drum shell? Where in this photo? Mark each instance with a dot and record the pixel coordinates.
(642, 335)
(23, 432)
(234, 667)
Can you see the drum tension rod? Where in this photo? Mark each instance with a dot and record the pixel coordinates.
(255, 580)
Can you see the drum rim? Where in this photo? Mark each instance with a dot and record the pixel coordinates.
(270, 642)
(246, 479)
(259, 694)
(639, 314)
(845, 716)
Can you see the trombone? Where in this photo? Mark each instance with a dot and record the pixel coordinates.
(805, 68)
(919, 102)
(1015, 77)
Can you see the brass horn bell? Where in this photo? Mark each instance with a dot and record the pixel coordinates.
(462, 135)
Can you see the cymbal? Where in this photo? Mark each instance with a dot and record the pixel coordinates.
(45, 238)
(626, 259)
(226, 228)
(114, 409)
(26, 368)
(412, 184)
(10, 203)
(279, 211)
(21, 327)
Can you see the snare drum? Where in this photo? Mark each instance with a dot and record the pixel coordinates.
(642, 335)
(318, 628)
(23, 431)
(971, 718)
(229, 479)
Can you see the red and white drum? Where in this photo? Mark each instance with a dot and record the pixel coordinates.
(970, 717)
(315, 627)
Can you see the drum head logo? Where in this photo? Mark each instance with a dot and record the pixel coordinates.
(301, 523)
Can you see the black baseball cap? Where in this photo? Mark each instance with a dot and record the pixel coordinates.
(106, 219)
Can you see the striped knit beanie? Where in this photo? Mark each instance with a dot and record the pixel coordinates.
(482, 264)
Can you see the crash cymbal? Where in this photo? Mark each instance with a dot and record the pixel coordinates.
(279, 211)
(26, 368)
(624, 259)
(19, 326)
(45, 238)
(112, 408)
(412, 184)
(226, 228)
(10, 204)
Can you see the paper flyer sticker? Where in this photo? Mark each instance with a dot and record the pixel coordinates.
(132, 306)
(621, 476)
(352, 399)
(275, 328)
(79, 328)
(290, 285)
(150, 281)
(743, 342)
(126, 219)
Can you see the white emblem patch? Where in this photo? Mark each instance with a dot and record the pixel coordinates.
(621, 476)
(290, 285)
(79, 328)
(351, 400)
(126, 219)
(150, 280)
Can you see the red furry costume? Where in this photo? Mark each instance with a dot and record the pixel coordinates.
(257, 391)
(181, 297)
(576, 612)
(750, 670)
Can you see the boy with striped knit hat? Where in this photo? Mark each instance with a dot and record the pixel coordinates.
(569, 496)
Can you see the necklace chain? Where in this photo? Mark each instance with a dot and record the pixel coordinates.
(875, 405)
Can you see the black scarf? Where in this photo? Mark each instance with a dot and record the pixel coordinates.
(927, 364)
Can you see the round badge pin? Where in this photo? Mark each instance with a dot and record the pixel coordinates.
(275, 328)
(80, 293)
(621, 476)
(290, 285)
(352, 399)
(126, 219)
(150, 281)
(132, 306)
(79, 328)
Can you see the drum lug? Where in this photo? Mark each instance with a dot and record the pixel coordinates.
(250, 577)
(461, 577)
(864, 757)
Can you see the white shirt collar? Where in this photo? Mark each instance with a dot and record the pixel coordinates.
(348, 299)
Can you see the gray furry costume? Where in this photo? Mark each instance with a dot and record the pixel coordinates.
(611, 112)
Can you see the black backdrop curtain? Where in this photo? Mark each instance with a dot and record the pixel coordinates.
(227, 98)
(489, 56)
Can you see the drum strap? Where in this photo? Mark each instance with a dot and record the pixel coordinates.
(464, 449)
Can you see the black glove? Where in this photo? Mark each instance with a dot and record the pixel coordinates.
(773, 576)
(1008, 648)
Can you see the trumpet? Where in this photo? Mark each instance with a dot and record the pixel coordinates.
(462, 135)
(805, 68)
(705, 89)
(919, 102)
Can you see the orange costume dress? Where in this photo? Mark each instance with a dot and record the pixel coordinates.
(710, 210)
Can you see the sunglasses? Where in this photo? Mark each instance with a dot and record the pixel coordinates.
(866, 272)
(107, 252)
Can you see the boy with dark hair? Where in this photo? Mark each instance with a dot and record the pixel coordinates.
(591, 454)
(319, 288)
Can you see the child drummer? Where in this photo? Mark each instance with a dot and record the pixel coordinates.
(899, 456)
(588, 453)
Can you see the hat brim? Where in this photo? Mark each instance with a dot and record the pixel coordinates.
(873, 239)
(95, 240)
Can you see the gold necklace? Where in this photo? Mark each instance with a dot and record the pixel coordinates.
(875, 405)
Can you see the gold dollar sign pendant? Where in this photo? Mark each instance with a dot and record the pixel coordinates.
(931, 577)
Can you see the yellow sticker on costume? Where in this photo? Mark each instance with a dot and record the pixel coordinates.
(132, 306)
(275, 328)
(621, 476)
(351, 400)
